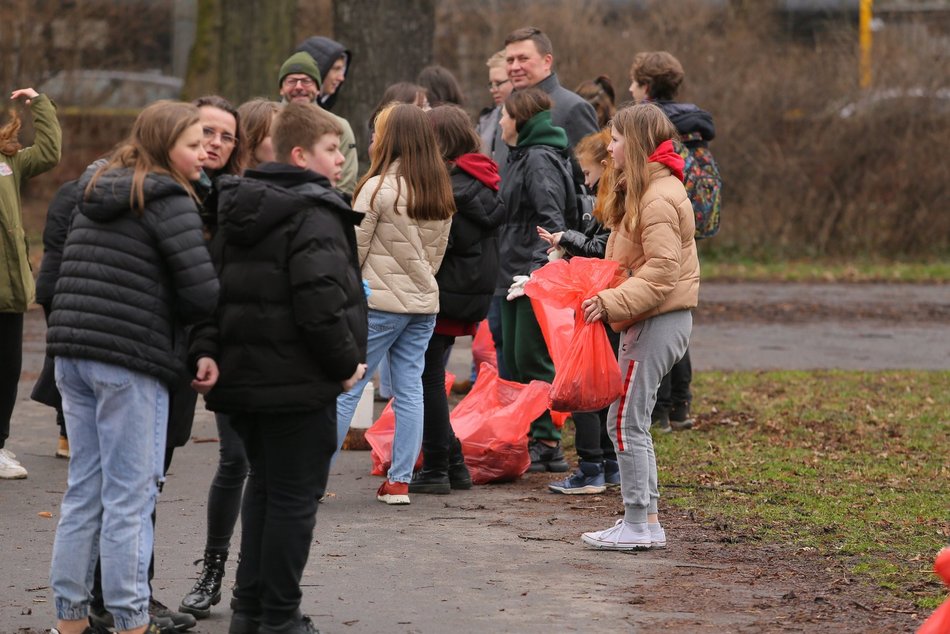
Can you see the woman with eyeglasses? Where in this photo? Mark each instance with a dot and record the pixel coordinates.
(220, 123)
(500, 87)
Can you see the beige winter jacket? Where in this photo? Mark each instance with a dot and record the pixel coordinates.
(399, 256)
(659, 268)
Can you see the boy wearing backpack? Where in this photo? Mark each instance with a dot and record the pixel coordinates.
(656, 77)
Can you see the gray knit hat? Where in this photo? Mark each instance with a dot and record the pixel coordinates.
(300, 63)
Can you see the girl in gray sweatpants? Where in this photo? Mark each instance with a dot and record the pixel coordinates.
(657, 284)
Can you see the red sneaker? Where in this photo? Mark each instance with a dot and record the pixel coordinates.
(393, 492)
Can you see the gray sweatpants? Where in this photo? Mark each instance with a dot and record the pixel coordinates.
(648, 350)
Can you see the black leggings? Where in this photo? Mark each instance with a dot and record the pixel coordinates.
(437, 433)
(227, 487)
(11, 353)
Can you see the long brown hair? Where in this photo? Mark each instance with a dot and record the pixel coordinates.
(404, 134)
(257, 120)
(643, 127)
(9, 144)
(454, 131)
(154, 134)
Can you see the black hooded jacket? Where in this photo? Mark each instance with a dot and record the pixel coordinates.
(689, 118)
(325, 52)
(470, 268)
(130, 280)
(291, 324)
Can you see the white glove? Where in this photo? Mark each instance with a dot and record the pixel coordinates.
(556, 253)
(516, 289)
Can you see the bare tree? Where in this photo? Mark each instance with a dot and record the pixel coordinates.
(239, 46)
(391, 41)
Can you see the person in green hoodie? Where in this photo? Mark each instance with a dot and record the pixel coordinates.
(538, 190)
(17, 289)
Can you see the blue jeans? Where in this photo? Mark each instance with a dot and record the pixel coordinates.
(117, 420)
(405, 338)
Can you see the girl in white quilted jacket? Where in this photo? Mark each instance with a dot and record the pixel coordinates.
(407, 198)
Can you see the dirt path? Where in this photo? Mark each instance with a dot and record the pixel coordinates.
(507, 557)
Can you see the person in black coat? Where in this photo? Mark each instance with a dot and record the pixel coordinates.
(466, 281)
(54, 237)
(134, 267)
(538, 190)
(289, 336)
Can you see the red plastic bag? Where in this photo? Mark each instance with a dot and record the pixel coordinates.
(557, 326)
(939, 621)
(380, 435)
(483, 346)
(587, 375)
(492, 422)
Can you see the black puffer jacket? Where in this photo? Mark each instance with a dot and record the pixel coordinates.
(470, 268)
(54, 237)
(589, 243)
(538, 190)
(128, 280)
(292, 321)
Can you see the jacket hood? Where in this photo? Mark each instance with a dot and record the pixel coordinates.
(250, 207)
(539, 130)
(325, 52)
(466, 189)
(481, 167)
(666, 155)
(111, 197)
(689, 118)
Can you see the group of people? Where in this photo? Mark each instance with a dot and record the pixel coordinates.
(235, 253)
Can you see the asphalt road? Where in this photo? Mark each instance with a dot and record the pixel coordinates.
(502, 558)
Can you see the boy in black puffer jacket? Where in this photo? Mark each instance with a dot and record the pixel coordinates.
(289, 336)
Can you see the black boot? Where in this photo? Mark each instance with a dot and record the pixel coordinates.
(207, 590)
(433, 477)
(459, 477)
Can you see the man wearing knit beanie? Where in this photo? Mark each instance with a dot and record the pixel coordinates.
(299, 80)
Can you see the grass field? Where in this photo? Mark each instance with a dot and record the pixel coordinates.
(825, 270)
(854, 465)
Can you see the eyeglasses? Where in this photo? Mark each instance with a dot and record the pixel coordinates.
(495, 85)
(226, 137)
(306, 82)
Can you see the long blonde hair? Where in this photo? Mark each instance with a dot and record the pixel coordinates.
(403, 133)
(154, 134)
(643, 127)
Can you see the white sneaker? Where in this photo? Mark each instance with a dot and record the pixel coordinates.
(621, 536)
(658, 535)
(10, 469)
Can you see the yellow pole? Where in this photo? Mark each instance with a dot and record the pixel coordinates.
(864, 26)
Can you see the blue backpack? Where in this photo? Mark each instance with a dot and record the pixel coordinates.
(703, 183)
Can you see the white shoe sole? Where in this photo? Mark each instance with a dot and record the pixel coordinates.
(588, 490)
(16, 475)
(602, 545)
(393, 499)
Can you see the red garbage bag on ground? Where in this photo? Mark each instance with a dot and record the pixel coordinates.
(939, 621)
(483, 346)
(587, 375)
(380, 435)
(492, 423)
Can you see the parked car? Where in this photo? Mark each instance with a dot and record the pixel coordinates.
(109, 89)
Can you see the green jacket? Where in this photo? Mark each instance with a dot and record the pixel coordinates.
(17, 290)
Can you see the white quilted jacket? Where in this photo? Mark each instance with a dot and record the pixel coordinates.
(399, 256)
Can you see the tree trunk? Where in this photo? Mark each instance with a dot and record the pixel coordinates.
(391, 41)
(239, 47)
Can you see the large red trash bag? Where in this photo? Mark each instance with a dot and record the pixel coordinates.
(492, 423)
(557, 326)
(483, 346)
(587, 374)
(380, 435)
(939, 621)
